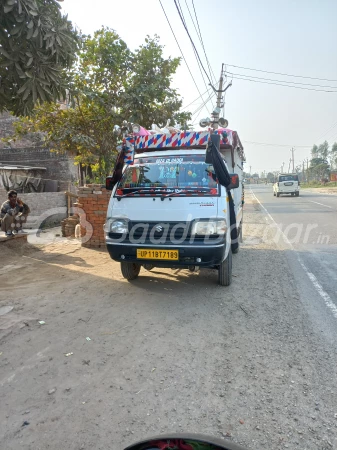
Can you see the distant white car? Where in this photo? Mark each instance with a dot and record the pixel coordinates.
(287, 184)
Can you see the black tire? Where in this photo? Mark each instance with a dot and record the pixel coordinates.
(236, 245)
(130, 271)
(292, 194)
(148, 266)
(277, 194)
(297, 194)
(225, 270)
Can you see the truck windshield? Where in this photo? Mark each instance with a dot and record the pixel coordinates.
(182, 175)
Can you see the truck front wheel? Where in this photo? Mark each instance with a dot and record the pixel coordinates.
(225, 270)
(235, 247)
(130, 271)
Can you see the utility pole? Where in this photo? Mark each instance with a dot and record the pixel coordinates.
(250, 170)
(292, 152)
(303, 171)
(219, 96)
(282, 168)
(219, 105)
(289, 165)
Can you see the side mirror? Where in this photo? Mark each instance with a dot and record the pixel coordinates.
(235, 182)
(109, 183)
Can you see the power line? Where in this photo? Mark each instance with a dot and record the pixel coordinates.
(182, 52)
(276, 145)
(333, 139)
(197, 54)
(194, 49)
(196, 118)
(281, 81)
(283, 85)
(202, 75)
(197, 112)
(279, 73)
(202, 42)
(200, 107)
(199, 36)
(329, 129)
(184, 107)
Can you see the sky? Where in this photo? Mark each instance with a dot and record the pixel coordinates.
(294, 38)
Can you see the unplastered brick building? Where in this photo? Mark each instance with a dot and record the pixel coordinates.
(92, 206)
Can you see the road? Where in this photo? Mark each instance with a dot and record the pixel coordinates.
(308, 224)
(171, 351)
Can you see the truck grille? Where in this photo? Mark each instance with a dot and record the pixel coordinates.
(160, 232)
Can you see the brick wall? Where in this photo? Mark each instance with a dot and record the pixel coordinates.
(93, 203)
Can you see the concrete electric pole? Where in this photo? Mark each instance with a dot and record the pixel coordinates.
(219, 104)
(292, 152)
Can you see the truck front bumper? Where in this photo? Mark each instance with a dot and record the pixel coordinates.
(201, 254)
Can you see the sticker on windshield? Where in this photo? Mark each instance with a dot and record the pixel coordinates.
(169, 160)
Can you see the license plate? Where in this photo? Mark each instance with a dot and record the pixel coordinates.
(288, 184)
(172, 255)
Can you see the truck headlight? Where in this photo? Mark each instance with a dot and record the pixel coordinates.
(209, 227)
(120, 226)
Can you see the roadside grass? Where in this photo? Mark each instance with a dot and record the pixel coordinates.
(318, 184)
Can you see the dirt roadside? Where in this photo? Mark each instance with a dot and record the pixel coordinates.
(322, 190)
(171, 351)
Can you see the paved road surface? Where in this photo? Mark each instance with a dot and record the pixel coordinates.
(309, 225)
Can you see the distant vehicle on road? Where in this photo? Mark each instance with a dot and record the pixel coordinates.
(287, 183)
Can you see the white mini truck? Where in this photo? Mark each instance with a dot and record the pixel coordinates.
(287, 183)
(168, 208)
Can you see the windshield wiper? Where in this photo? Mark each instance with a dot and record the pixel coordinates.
(182, 192)
(166, 193)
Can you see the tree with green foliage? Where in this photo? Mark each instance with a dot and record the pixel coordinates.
(319, 163)
(37, 46)
(314, 151)
(135, 85)
(319, 168)
(270, 177)
(110, 84)
(333, 156)
(323, 150)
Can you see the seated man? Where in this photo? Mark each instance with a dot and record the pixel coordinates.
(13, 214)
